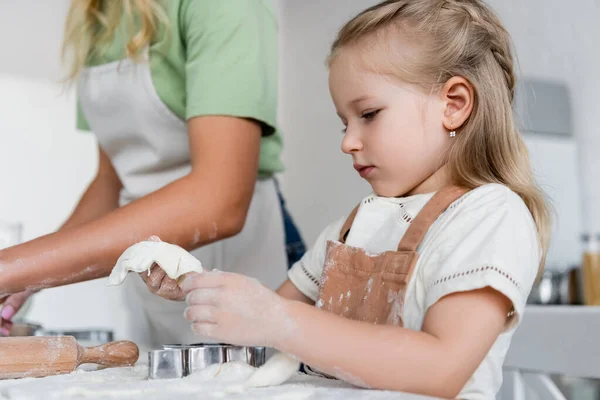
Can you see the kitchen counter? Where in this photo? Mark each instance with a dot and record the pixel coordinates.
(131, 384)
(551, 339)
(557, 340)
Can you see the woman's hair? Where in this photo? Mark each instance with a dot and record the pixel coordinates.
(91, 25)
(426, 42)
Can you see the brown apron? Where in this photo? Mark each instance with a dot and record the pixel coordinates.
(371, 288)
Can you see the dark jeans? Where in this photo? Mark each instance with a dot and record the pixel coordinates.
(294, 245)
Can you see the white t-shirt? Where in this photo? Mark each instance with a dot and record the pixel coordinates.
(485, 238)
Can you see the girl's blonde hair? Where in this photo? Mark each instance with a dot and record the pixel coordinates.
(91, 25)
(457, 38)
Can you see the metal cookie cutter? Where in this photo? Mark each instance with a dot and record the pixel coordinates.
(177, 360)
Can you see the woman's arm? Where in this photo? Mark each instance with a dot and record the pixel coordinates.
(208, 204)
(100, 197)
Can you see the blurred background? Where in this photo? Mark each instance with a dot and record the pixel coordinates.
(45, 163)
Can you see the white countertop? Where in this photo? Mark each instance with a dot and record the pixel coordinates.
(561, 340)
(570, 332)
(131, 384)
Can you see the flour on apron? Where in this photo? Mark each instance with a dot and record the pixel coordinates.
(370, 287)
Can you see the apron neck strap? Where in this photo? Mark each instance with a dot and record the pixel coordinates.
(428, 215)
(348, 224)
(422, 222)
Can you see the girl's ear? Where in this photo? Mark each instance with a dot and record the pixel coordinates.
(458, 96)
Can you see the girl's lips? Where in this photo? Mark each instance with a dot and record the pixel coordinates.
(364, 170)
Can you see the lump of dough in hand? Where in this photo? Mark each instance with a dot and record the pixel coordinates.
(140, 257)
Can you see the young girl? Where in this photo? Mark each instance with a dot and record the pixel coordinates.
(422, 286)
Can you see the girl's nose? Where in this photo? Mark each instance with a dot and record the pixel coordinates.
(351, 142)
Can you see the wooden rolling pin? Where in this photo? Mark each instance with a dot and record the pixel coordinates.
(34, 357)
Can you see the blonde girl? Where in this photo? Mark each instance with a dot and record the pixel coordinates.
(421, 287)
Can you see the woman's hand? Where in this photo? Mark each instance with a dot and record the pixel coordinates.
(159, 283)
(235, 309)
(10, 306)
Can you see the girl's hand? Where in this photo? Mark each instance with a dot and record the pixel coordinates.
(234, 309)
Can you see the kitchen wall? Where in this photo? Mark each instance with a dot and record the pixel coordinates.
(558, 41)
(45, 163)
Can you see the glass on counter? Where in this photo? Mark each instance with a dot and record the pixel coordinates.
(11, 234)
(591, 269)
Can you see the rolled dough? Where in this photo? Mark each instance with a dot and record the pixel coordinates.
(140, 257)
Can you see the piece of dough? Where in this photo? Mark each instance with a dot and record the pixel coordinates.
(277, 370)
(140, 257)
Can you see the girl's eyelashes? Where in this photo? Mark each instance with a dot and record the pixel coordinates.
(369, 115)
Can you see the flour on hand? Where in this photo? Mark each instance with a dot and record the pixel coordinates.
(140, 257)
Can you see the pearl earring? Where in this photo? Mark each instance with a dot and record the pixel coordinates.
(452, 132)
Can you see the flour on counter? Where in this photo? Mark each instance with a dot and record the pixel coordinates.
(214, 382)
(140, 257)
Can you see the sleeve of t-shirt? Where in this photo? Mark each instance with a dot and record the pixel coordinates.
(489, 241)
(306, 273)
(231, 59)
